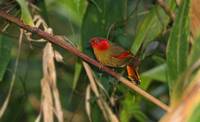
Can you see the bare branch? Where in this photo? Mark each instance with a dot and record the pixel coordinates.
(58, 41)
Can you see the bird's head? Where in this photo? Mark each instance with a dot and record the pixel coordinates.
(99, 43)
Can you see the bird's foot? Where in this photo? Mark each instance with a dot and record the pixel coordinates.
(137, 82)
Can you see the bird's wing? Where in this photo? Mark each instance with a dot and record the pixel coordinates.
(120, 53)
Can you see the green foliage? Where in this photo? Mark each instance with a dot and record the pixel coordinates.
(80, 20)
(96, 113)
(194, 55)
(25, 14)
(130, 108)
(78, 69)
(153, 24)
(99, 17)
(73, 9)
(177, 47)
(156, 73)
(5, 54)
(195, 114)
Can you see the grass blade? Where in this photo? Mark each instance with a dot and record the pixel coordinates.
(177, 47)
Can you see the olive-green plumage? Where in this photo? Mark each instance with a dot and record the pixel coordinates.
(114, 56)
(111, 56)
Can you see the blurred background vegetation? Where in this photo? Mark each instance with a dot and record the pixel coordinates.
(168, 49)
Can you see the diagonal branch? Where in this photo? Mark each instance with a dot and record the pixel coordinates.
(58, 41)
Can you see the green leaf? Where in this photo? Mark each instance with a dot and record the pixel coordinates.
(152, 25)
(194, 55)
(97, 115)
(73, 9)
(187, 103)
(78, 68)
(145, 82)
(156, 73)
(25, 14)
(130, 109)
(99, 16)
(177, 47)
(5, 54)
(195, 115)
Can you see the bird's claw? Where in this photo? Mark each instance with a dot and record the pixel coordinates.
(137, 82)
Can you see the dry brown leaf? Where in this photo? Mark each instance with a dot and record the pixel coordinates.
(195, 18)
(58, 57)
(51, 101)
(87, 102)
(191, 99)
(38, 119)
(112, 116)
(47, 102)
(178, 2)
(68, 115)
(95, 90)
(103, 105)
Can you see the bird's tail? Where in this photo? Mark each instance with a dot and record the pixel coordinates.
(132, 70)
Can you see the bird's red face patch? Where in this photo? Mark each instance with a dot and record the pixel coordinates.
(100, 43)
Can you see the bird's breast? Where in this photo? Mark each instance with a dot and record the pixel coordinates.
(105, 57)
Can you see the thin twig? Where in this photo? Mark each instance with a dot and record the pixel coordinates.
(58, 41)
(106, 110)
(87, 103)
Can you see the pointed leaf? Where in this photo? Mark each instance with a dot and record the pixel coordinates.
(73, 9)
(25, 14)
(5, 54)
(152, 25)
(78, 68)
(187, 107)
(194, 55)
(130, 109)
(177, 47)
(157, 73)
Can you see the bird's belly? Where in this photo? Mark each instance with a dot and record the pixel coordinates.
(108, 60)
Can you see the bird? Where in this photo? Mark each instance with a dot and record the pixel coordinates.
(112, 55)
